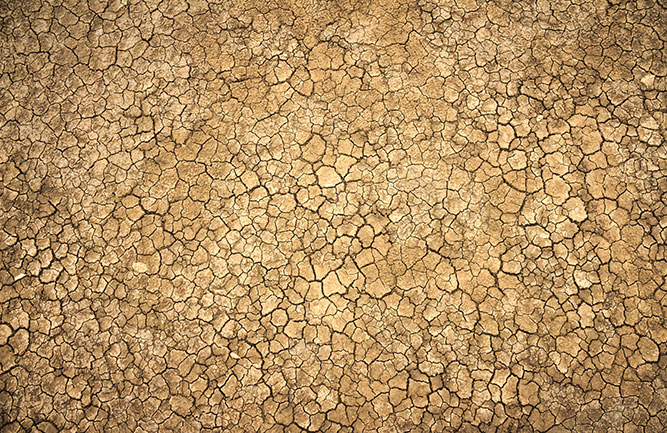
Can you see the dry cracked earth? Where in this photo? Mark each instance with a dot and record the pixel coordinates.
(333, 216)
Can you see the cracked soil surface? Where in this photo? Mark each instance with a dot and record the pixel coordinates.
(333, 216)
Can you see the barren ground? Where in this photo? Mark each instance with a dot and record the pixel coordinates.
(333, 216)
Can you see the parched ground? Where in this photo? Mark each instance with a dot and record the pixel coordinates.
(333, 216)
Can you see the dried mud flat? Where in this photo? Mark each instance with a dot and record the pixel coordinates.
(333, 216)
